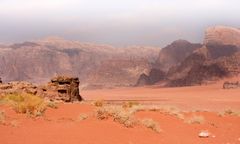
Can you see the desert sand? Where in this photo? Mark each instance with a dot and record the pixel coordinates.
(62, 126)
(208, 97)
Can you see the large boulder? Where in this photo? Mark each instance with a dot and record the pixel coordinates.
(63, 88)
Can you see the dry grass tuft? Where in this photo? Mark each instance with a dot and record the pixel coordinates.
(130, 104)
(52, 104)
(229, 112)
(14, 123)
(195, 120)
(118, 113)
(98, 103)
(26, 103)
(149, 123)
(2, 118)
(82, 117)
(171, 110)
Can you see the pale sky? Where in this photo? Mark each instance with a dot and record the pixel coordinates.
(120, 23)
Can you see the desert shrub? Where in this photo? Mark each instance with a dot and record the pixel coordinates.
(229, 112)
(14, 123)
(149, 123)
(171, 110)
(98, 103)
(82, 117)
(195, 120)
(26, 103)
(52, 104)
(118, 113)
(130, 104)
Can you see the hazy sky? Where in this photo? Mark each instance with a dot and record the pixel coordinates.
(122, 22)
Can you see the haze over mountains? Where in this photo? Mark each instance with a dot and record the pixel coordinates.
(95, 65)
(178, 64)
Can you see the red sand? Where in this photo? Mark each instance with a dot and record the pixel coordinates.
(209, 98)
(60, 126)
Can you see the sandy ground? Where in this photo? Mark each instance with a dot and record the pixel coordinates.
(209, 98)
(61, 125)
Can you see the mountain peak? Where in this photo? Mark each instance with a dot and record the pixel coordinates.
(222, 35)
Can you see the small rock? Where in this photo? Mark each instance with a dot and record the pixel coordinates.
(204, 134)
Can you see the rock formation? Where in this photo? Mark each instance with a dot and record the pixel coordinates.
(0, 80)
(19, 87)
(64, 89)
(231, 85)
(219, 57)
(175, 53)
(154, 76)
(60, 88)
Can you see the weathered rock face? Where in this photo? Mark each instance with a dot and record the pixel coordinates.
(222, 35)
(204, 69)
(175, 53)
(219, 57)
(154, 76)
(64, 89)
(19, 87)
(231, 85)
(60, 88)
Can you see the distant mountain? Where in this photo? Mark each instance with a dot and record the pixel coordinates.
(222, 35)
(175, 53)
(95, 65)
(170, 56)
(217, 58)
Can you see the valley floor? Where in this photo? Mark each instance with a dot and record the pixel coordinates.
(209, 97)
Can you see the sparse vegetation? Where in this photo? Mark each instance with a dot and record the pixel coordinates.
(118, 113)
(26, 103)
(125, 115)
(52, 104)
(130, 104)
(149, 123)
(195, 120)
(171, 110)
(2, 117)
(14, 123)
(98, 103)
(82, 117)
(229, 112)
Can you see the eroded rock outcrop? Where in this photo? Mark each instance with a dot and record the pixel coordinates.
(19, 87)
(175, 53)
(64, 89)
(153, 77)
(231, 85)
(60, 88)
